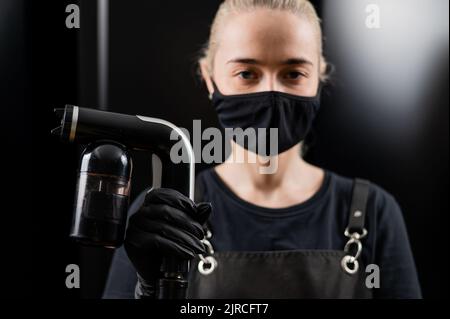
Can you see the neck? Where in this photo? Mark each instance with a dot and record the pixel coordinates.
(284, 168)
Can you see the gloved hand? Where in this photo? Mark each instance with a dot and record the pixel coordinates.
(167, 224)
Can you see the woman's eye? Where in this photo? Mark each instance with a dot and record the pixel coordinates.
(247, 75)
(294, 75)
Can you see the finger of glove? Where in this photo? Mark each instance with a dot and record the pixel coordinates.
(169, 215)
(204, 210)
(150, 243)
(172, 198)
(175, 234)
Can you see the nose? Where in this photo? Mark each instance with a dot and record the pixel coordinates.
(269, 84)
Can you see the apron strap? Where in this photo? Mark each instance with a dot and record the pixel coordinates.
(355, 229)
(358, 205)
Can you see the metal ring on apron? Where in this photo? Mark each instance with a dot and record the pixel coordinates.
(208, 245)
(355, 234)
(356, 242)
(350, 260)
(208, 260)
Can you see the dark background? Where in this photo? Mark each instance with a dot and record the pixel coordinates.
(378, 120)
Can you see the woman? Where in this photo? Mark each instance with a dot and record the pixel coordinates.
(298, 231)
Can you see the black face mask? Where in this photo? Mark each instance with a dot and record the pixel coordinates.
(291, 114)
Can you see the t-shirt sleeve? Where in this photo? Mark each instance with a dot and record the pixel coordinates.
(122, 278)
(398, 275)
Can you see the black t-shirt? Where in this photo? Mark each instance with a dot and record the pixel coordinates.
(317, 223)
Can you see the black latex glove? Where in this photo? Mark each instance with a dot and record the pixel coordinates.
(167, 224)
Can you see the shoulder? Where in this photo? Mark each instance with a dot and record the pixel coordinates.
(384, 217)
(344, 184)
(387, 244)
(380, 202)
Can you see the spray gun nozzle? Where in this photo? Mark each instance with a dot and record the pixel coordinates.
(60, 116)
(59, 112)
(65, 116)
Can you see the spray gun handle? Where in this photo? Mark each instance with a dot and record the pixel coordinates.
(174, 284)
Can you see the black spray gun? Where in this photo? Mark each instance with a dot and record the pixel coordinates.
(103, 188)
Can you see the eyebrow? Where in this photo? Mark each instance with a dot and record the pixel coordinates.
(291, 61)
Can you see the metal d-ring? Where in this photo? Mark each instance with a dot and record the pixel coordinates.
(355, 235)
(208, 260)
(355, 239)
(357, 243)
(350, 260)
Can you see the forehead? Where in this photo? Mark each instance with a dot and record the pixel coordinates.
(267, 35)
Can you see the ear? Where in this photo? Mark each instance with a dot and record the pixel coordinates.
(206, 75)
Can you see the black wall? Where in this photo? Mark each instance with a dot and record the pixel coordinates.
(15, 128)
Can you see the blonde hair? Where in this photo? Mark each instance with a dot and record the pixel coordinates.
(301, 8)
